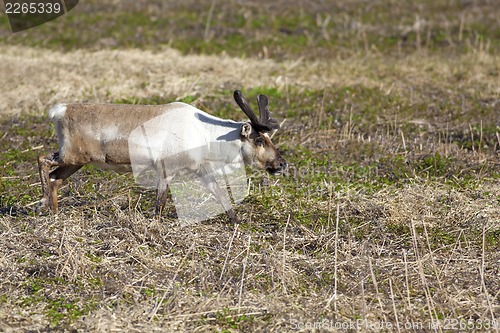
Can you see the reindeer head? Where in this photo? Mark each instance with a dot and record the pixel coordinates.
(257, 146)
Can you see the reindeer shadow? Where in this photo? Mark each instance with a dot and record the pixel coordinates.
(15, 211)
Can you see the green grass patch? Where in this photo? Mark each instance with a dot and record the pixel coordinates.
(327, 29)
(58, 310)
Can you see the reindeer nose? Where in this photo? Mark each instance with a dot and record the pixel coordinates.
(283, 165)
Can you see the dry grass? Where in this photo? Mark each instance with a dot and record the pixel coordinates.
(110, 75)
(134, 273)
(390, 213)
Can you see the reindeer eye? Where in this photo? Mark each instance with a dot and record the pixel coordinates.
(259, 142)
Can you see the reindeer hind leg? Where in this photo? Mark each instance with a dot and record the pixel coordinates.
(51, 181)
(44, 165)
(56, 178)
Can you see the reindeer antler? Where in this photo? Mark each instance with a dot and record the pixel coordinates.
(265, 123)
(265, 114)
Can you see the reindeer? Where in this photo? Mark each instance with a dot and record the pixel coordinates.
(100, 134)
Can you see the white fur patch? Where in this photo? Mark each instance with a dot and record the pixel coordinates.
(110, 133)
(57, 111)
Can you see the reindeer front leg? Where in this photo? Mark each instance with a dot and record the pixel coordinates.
(221, 196)
(162, 181)
(161, 196)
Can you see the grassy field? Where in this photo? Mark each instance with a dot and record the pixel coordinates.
(389, 213)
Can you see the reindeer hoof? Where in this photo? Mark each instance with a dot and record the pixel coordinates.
(42, 207)
(233, 218)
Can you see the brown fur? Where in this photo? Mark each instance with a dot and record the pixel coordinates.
(84, 149)
(267, 156)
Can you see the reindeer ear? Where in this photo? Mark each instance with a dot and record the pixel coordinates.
(246, 130)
